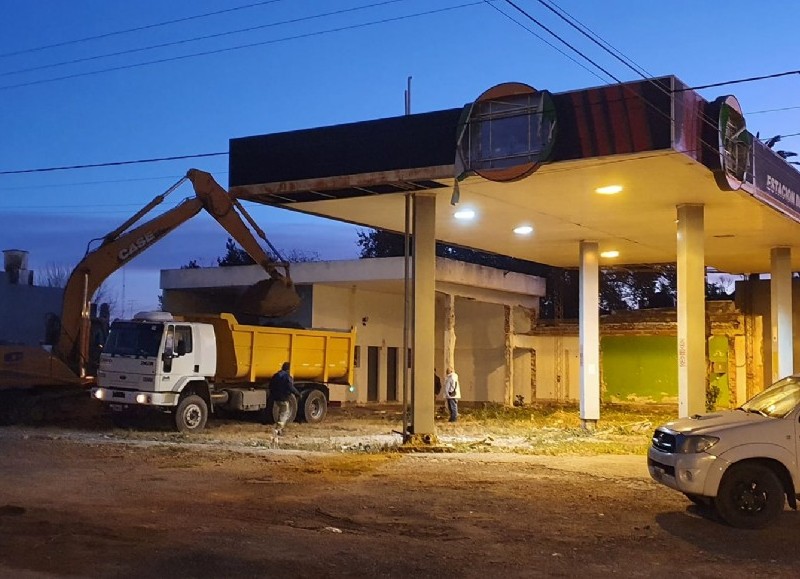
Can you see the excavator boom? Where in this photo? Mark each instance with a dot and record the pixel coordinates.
(273, 297)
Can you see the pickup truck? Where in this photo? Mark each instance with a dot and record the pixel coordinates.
(742, 463)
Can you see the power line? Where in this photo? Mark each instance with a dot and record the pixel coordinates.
(774, 110)
(137, 29)
(594, 37)
(199, 38)
(538, 23)
(663, 89)
(547, 42)
(741, 80)
(112, 164)
(244, 46)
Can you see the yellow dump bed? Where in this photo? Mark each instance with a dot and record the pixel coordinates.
(255, 353)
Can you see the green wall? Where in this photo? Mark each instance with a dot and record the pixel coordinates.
(640, 368)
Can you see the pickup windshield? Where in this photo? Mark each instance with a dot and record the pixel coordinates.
(776, 401)
(134, 339)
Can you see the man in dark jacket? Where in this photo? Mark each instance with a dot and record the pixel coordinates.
(281, 387)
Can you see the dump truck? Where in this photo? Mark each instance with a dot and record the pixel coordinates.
(194, 366)
(29, 374)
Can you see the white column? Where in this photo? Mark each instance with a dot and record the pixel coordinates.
(449, 334)
(589, 334)
(508, 327)
(691, 311)
(424, 260)
(780, 293)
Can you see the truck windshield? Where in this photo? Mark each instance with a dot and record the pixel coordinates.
(134, 339)
(778, 400)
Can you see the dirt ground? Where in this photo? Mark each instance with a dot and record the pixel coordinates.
(334, 500)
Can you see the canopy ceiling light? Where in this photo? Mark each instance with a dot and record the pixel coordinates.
(609, 190)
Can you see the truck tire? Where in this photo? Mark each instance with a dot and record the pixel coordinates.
(272, 410)
(750, 496)
(191, 414)
(313, 406)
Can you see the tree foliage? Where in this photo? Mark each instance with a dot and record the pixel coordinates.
(621, 289)
(234, 255)
(379, 243)
(57, 275)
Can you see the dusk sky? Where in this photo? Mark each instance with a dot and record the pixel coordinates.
(167, 89)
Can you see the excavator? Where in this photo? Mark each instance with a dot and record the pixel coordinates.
(26, 371)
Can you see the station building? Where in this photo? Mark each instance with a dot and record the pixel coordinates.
(646, 172)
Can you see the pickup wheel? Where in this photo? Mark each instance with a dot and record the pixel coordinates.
(750, 496)
(313, 406)
(191, 414)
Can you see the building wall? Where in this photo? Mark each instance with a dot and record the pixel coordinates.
(557, 363)
(24, 310)
(378, 319)
(753, 298)
(480, 350)
(480, 340)
(639, 369)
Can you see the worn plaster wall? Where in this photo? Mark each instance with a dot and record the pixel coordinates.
(557, 368)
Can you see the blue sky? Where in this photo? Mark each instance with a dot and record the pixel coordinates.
(301, 74)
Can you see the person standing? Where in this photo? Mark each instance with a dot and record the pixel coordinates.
(452, 392)
(281, 387)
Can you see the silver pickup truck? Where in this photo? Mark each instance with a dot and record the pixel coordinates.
(743, 463)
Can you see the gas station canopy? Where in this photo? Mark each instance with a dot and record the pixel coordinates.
(609, 165)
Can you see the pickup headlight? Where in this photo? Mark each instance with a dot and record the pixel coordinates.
(695, 444)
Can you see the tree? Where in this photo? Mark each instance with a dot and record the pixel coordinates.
(234, 255)
(379, 243)
(57, 275)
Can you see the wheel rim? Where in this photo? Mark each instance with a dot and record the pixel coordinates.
(315, 407)
(751, 497)
(192, 416)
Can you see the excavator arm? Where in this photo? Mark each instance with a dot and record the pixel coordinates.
(273, 297)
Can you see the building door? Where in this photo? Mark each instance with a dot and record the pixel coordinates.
(391, 374)
(372, 373)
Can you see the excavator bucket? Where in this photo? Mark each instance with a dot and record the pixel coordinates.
(269, 298)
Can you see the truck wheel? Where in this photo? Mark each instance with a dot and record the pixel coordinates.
(750, 496)
(191, 414)
(273, 410)
(313, 406)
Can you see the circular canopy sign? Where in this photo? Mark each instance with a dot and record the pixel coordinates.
(734, 144)
(507, 132)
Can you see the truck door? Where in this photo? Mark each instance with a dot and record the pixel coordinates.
(179, 359)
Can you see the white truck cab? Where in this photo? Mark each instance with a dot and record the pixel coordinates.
(149, 360)
(743, 463)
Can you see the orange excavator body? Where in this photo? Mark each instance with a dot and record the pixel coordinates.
(69, 362)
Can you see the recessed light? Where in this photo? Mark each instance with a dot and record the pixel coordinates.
(609, 189)
(464, 214)
(523, 230)
(611, 253)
